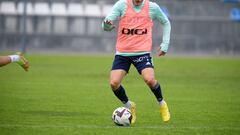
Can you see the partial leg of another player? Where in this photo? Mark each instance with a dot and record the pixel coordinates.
(4, 60)
(119, 91)
(148, 76)
(17, 58)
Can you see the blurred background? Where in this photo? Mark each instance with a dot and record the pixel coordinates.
(199, 27)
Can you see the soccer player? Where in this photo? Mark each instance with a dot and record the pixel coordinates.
(16, 58)
(134, 45)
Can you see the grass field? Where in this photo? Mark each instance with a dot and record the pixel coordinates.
(70, 95)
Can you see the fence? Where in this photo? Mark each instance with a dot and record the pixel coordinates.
(198, 26)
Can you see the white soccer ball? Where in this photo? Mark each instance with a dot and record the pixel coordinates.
(122, 116)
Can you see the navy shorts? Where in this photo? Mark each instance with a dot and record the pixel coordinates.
(140, 62)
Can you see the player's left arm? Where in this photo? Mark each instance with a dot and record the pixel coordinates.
(159, 15)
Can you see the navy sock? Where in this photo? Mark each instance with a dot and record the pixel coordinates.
(157, 92)
(121, 95)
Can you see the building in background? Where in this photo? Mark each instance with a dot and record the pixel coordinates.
(199, 27)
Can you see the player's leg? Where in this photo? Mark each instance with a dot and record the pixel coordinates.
(17, 58)
(115, 80)
(144, 65)
(4, 60)
(119, 91)
(120, 68)
(149, 78)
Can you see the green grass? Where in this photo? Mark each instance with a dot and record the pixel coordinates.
(70, 95)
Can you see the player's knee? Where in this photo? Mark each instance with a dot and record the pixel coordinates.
(114, 84)
(150, 81)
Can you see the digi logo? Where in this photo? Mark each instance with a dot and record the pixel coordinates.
(127, 31)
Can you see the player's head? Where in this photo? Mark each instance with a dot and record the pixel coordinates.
(137, 2)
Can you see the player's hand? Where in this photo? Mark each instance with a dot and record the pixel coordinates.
(160, 52)
(109, 25)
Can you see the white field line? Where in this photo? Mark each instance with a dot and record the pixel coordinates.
(109, 127)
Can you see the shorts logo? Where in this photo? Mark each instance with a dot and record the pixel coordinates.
(140, 59)
(148, 63)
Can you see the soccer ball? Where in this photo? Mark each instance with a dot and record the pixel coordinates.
(122, 116)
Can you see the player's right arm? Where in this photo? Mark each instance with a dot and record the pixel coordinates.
(118, 10)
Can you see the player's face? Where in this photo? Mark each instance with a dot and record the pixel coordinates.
(137, 2)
